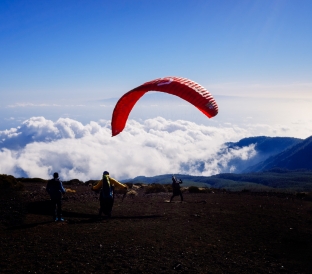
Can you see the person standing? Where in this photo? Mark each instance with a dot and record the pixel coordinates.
(176, 189)
(55, 189)
(107, 186)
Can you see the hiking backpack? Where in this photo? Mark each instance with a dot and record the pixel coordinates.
(107, 190)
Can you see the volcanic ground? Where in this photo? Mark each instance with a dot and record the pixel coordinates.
(215, 232)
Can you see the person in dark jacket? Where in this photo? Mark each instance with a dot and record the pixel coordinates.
(55, 189)
(176, 190)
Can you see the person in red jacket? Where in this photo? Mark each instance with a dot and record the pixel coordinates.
(106, 187)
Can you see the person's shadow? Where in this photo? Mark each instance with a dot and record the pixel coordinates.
(95, 219)
(44, 208)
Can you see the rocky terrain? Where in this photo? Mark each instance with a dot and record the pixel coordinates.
(213, 232)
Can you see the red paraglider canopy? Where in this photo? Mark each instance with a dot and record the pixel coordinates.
(181, 87)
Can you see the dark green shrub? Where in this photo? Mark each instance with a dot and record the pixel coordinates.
(168, 187)
(304, 195)
(138, 184)
(5, 184)
(246, 190)
(73, 182)
(9, 183)
(19, 186)
(205, 190)
(129, 185)
(193, 189)
(91, 182)
(32, 180)
(155, 188)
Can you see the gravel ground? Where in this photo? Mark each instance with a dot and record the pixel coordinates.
(218, 232)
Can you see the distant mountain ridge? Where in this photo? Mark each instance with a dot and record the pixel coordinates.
(265, 147)
(272, 180)
(287, 164)
(295, 157)
(264, 144)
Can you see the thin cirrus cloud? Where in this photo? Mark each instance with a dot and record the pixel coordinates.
(39, 147)
(26, 105)
(297, 90)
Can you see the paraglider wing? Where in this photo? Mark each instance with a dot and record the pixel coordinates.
(181, 87)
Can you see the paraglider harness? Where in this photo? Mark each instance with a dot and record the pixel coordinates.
(107, 191)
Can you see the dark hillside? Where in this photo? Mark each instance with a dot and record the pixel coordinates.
(275, 180)
(296, 157)
(267, 145)
(264, 146)
(272, 180)
(188, 180)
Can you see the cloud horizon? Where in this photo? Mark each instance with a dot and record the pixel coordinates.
(39, 147)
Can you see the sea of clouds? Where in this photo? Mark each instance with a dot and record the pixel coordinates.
(39, 147)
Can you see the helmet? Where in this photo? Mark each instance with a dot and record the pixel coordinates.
(55, 175)
(105, 173)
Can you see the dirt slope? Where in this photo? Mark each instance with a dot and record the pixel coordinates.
(208, 233)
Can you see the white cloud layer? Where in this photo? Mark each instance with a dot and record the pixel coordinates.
(156, 146)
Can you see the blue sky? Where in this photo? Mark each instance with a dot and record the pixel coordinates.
(54, 50)
(66, 59)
